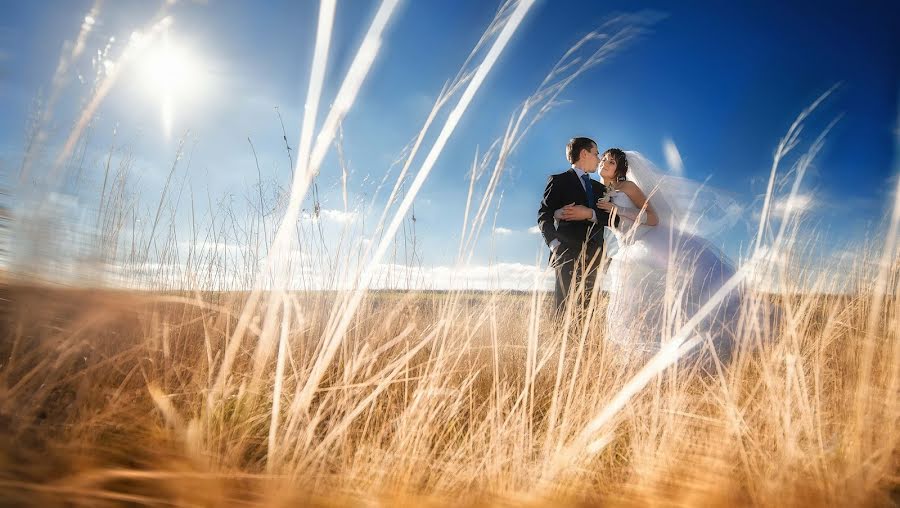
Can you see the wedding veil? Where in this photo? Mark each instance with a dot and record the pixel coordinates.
(683, 205)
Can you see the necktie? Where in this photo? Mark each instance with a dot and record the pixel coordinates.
(588, 190)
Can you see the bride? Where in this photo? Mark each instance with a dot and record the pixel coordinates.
(662, 270)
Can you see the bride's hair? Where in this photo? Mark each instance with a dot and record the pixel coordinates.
(621, 163)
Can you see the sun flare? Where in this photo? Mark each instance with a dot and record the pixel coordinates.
(170, 73)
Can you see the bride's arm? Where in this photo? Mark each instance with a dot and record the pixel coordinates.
(644, 212)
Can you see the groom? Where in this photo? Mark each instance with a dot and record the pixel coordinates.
(576, 238)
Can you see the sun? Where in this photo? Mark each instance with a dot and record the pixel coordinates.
(170, 73)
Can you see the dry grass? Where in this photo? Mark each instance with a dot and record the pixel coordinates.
(107, 397)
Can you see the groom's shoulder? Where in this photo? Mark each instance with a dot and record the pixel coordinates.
(559, 175)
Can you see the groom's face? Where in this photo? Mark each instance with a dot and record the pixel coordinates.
(590, 159)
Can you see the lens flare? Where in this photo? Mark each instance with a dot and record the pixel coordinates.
(169, 72)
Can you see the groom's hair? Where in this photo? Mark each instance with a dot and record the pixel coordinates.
(575, 146)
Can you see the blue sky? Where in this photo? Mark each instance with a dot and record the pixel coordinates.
(724, 82)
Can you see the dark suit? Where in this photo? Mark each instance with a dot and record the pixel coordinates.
(580, 241)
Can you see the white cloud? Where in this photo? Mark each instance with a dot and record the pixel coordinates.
(330, 215)
(533, 230)
(793, 205)
(499, 276)
(515, 276)
(673, 157)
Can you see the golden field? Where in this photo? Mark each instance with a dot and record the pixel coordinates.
(114, 398)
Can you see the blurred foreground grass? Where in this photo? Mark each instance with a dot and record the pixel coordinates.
(108, 398)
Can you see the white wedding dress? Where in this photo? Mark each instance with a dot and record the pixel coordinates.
(659, 276)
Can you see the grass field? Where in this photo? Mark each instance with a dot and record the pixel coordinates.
(119, 397)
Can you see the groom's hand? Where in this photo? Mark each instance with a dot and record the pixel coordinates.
(575, 212)
(558, 253)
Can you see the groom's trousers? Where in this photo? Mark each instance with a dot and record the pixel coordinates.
(576, 274)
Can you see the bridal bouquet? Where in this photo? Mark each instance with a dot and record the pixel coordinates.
(607, 195)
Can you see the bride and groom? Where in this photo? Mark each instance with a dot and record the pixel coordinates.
(647, 229)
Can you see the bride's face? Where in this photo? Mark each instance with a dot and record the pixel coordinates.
(608, 167)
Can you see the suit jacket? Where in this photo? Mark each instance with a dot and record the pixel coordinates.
(562, 189)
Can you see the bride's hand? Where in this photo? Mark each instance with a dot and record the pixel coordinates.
(606, 205)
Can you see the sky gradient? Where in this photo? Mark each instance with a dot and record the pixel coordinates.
(722, 82)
